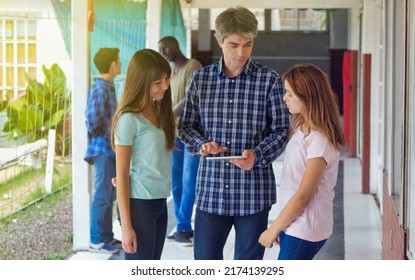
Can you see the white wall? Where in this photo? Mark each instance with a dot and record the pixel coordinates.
(51, 47)
(371, 44)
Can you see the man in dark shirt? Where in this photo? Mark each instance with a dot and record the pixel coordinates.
(234, 108)
(184, 164)
(100, 108)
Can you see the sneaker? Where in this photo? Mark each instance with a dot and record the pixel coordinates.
(182, 237)
(115, 243)
(103, 248)
(189, 232)
(171, 236)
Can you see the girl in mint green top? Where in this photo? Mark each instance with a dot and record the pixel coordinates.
(150, 169)
(142, 136)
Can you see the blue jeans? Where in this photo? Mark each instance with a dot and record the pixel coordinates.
(211, 233)
(184, 172)
(149, 221)
(293, 248)
(103, 200)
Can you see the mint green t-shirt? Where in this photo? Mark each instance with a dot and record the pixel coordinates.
(150, 168)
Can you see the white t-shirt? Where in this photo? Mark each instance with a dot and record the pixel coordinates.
(316, 221)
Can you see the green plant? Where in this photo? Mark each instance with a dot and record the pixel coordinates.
(40, 108)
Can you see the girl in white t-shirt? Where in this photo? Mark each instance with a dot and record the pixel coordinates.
(143, 132)
(310, 166)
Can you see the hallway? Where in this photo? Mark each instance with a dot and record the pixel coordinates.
(362, 225)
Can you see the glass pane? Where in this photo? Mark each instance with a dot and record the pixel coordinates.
(194, 18)
(32, 53)
(21, 80)
(32, 72)
(9, 53)
(21, 53)
(284, 19)
(275, 20)
(20, 29)
(312, 20)
(9, 76)
(9, 29)
(31, 29)
(260, 16)
(298, 20)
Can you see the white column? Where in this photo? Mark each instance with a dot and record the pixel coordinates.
(81, 172)
(153, 24)
(188, 26)
(354, 28)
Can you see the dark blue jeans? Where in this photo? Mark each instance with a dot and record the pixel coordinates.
(293, 248)
(103, 200)
(211, 233)
(149, 221)
(184, 172)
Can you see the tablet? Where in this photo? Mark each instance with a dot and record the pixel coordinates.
(225, 158)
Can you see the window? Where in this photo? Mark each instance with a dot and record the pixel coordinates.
(194, 17)
(298, 20)
(17, 52)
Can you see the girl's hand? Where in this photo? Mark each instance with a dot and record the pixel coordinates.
(269, 237)
(114, 181)
(129, 240)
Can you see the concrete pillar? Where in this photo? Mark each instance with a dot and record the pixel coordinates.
(81, 171)
(153, 24)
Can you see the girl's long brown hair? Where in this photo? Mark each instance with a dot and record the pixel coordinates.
(145, 67)
(313, 87)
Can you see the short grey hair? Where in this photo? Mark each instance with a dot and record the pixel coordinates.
(237, 20)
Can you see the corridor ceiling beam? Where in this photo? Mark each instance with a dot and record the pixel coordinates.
(268, 4)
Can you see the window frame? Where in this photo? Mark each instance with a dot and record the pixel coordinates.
(25, 44)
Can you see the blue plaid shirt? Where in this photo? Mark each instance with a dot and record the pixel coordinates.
(100, 108)
(244, 112)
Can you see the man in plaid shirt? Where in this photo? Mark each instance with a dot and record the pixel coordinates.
(234, 107)
(100, 108)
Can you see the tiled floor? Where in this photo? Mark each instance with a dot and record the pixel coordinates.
(362, 220)
(362, 224)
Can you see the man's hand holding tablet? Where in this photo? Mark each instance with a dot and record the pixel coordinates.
(245, 162)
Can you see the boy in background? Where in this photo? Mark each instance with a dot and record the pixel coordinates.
(100, 108)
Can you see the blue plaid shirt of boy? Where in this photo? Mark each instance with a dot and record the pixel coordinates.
(244, 112)
(100, 108)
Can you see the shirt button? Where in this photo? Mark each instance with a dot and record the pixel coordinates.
(230, 101)
(228, 142)
(227, 164)
(229, 121)
(233, 81)
(226, 186)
